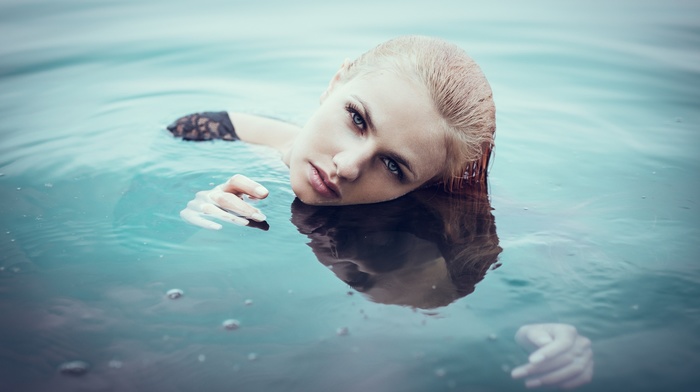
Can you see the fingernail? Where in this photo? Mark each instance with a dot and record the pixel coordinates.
(518, 372)
(258, 217)
(536, 358)
(261, 191)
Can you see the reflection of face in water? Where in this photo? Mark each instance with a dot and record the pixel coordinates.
(423, 250)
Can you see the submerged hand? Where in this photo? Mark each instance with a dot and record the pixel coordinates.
(225, 202)
(560, 356)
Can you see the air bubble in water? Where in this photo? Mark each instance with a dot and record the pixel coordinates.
(248, 302)
(115, 364)
(231, 324)
(175, 293)
(74, 368)
(201, 358)
(252, 357)
(342, 331)
(440, 372)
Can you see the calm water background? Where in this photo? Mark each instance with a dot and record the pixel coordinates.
(594, 186)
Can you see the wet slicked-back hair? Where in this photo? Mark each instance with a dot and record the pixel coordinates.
(460, 92)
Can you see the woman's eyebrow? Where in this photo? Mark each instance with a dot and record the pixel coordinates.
(394, 155)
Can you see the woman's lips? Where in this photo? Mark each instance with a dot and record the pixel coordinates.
(319, 181)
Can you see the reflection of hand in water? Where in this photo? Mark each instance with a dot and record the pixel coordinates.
(560, 356)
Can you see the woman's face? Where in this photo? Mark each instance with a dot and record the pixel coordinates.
(374, 138)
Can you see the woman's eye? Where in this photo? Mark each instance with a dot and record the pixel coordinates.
(358, 120)
(392, 166)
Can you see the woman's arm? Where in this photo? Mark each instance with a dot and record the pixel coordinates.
(264, 131)
(226, 201)
(248, 128)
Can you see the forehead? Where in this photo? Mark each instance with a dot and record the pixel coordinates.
(405, 118)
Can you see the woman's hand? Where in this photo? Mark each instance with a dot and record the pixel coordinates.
(225, 203)
(560, 356)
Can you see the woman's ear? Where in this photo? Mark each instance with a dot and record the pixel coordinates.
(339, 75)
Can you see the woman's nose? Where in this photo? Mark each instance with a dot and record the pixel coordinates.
(349, 163)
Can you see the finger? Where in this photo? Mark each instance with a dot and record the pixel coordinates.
(216, 212)
(234, 204)
(559, 345)
(539, 337)
(242, 184)
(581, 379)
(533, 336)
(195, 219)
(558, 376)
(534, 369)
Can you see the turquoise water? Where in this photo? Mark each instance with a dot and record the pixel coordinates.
(594, 191)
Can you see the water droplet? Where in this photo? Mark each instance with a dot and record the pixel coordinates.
(350, 293)
(342, 331)
(175, 293)
(492, 336)
(115, 364)
(434, 287)
(201, 358)
(48, 185)
(525, 208)
(252, 357)
(19, 189)
(231, 324)
(160, 256)
(635, 307)
(290, 291)
(644, 197)
(248, 302)
(440, 372)
(2, 174)
(74, 368)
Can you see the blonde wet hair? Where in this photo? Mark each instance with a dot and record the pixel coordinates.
(459, 91)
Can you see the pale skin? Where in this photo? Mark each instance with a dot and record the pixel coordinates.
(373, 138)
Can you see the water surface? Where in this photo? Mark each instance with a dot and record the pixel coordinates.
(594, 188)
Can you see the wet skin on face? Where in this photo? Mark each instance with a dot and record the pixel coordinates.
(374, 138)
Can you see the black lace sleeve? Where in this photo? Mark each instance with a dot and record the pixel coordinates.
(204, 126)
